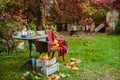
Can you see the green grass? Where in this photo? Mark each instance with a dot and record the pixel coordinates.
(100, 58)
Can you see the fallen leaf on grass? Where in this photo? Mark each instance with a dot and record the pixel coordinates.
(68, 75)
(26, 74)
(22, 78)
(62, 75)
(34, 72)
(72, 59)
(75, 68)
(71, 64)
(53, 77)
(68, 66)
(75, 60)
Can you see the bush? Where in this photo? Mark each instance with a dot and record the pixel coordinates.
(100, 16)
(50, 27)
(2, 48)
(117, 28)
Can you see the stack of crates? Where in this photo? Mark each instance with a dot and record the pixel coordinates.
(47, 67)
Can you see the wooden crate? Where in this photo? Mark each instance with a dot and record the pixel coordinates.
(51, 69)
(47, 67)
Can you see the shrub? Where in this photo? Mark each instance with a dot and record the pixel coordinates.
(117, 28)
(2, 48)
(100, 16)
(50, 27)
(8, 26)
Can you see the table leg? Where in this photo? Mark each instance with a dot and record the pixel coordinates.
(32, 55)
(33, 63)
(32, 59)
(25, 63)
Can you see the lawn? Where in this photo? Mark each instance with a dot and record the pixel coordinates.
(99, 55)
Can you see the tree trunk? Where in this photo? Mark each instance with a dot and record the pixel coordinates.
(39, 15)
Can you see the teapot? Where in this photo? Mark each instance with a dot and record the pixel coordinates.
(24, 31)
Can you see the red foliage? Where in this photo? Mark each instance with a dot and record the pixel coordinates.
(67, 9)
(116, 4)
(103, 2)
(113, 3)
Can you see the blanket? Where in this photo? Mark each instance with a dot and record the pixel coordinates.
(62, 49)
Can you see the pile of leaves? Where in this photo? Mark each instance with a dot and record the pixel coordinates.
(73, 64)
(57, 77)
